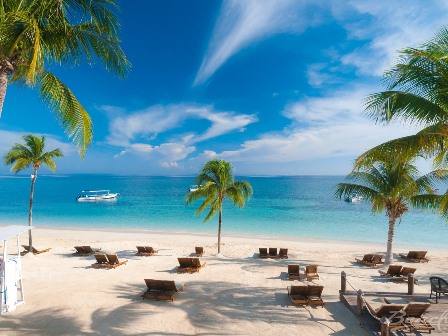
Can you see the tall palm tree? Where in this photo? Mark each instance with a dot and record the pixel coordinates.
(393, 185)
(32, 155)
(35, 34)
(416, 92)
(216, 183)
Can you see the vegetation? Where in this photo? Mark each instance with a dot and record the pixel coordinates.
(393, 185)
(417, 92)
(216, 183)
(35, 34)
(32, 155)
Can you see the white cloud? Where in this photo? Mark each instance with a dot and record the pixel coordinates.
(335, 127)
(134, 130)
(242, 23)
(388, 26)
(9, 138)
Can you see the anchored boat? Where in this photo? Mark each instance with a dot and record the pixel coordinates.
(96, 196)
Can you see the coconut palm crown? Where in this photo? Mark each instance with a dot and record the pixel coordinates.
(393, 186)
(37, 35)
(416, 93)
(32, 155)
(216, 183)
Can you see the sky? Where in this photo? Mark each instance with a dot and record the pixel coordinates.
(276, 87)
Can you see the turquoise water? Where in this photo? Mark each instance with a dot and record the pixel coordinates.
(281, 206)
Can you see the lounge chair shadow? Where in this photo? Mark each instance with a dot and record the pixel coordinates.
(282, 276)
(170, 271)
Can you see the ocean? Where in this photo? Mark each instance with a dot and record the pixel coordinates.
(292, 207)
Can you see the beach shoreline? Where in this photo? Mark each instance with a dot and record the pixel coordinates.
(231, 235)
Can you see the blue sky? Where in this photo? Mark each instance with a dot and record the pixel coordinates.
(274, 86)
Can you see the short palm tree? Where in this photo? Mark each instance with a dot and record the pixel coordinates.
(32, 155)
(216, 183)
(417, 92)
(393, 185)
(35, 34)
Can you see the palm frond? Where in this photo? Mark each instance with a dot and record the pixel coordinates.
(74, 118)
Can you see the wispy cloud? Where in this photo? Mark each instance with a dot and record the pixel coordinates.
(387, 27)
(321, 128)
(242, 23)
(136, 131)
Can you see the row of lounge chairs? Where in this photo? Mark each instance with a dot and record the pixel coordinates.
(272, 253)
(403, 317)
(373, 260)
(398, 272)
(310, 272)
(141, 251)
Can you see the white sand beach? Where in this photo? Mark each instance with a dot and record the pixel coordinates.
(235, 294)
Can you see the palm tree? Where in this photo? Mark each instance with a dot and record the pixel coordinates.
(216, 183)
(417, 92)
(393, 185)
(31, 154)
(35, 34)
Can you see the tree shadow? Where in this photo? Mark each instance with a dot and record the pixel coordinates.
(208, 305)
(42, 322)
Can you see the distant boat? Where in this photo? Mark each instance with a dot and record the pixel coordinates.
(96, 196)
(353, 199)
(194, 187)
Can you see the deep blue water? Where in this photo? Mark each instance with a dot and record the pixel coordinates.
(281, 206)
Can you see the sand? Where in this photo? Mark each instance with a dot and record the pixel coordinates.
(235, 294)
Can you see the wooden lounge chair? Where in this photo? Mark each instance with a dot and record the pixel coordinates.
(370, 260)
(414, 317)
(298, 295)
(366, 259)
(392, 271)
(101, 261)
(189, 265)
(406, 271)
(263, 252)
(114, 261)
(389, 310)
(315, 295)
(273, 252)
(161, 289)
(311, 272)
(439, 286)
(107, 261)
(85, 250)
(34, 250)
(415, 256)
(145, 251)
(293, 272)
(283, 253)
(199, 251)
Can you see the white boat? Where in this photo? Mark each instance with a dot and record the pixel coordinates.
(96, 196)
(194, 187)
(354, 199)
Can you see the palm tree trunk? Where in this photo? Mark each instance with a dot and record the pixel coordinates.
(30, 211)
(390, 238)
(3, 87)
(219, 230)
